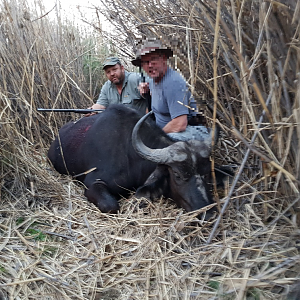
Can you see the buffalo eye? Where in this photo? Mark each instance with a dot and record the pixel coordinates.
(176, 175)
(180, 174)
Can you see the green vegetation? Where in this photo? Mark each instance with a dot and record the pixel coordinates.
(2, 269)
(36, 234)
(20, 220)
(215, 285)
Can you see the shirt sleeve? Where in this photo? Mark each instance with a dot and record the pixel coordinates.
(103, 99)
(177, 92)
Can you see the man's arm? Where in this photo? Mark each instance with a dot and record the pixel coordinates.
(177, 124)
(175, 91)
(102, 101)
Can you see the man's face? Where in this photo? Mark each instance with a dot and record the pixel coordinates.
(155, 65)
(115, 74)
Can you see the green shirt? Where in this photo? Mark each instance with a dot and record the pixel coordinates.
(129, 96)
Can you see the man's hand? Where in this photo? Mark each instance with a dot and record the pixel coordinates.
(95, 106)
(143, 88)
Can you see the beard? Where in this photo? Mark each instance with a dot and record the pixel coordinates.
(118, 80)
(156, 75)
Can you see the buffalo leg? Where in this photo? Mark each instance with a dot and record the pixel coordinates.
(99, 194)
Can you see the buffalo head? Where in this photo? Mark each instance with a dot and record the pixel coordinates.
(180, 171)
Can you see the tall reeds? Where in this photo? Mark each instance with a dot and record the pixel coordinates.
(45, 61)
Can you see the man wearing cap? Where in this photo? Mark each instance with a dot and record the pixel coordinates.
(121, 87)
(170, 95)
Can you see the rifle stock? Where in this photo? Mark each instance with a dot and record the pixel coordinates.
(74, 110)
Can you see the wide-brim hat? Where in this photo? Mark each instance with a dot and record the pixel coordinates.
(149, 46)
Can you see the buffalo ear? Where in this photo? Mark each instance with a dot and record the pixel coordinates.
(222, 174)
(156, 185)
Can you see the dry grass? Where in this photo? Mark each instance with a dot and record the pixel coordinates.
(55, 245)
(58, 246)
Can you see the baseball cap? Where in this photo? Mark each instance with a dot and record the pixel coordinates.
(111, 61)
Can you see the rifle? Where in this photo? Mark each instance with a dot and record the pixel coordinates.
(74, 110)
(147, 95)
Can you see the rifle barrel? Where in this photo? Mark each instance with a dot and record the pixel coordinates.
(74, 110)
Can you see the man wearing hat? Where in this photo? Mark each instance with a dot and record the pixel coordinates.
(121, 87)
(167, 88)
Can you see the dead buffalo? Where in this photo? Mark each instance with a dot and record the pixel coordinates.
(113, 157)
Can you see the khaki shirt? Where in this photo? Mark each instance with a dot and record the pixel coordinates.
(129, 96)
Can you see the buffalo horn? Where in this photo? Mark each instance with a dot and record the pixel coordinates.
(168, 154)
(159, 156)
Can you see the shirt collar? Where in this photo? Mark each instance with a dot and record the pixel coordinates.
(126, 78)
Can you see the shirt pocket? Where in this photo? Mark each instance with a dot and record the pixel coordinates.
(126, 99)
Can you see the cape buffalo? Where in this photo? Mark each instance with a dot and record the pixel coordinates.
(113, 157)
